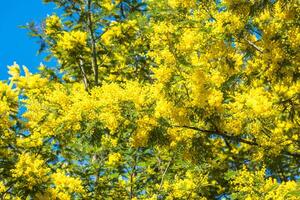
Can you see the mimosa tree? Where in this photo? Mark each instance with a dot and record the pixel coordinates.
(157, 99)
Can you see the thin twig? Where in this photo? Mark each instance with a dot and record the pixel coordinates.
(84, 76)
(254, 45)
(234, 138)
(165, 172)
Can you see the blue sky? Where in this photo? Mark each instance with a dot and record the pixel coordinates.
(15, 44)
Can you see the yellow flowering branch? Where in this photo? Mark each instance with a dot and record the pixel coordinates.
(232, 137)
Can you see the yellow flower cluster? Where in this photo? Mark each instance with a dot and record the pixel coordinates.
(30, 82)
(258, 100)
(72, 41)
(210, 84)
(254, 186)
(114, 159)
(227, 22)
(145, 125)
(163, 73)
(71, 105)
(65, 186)
(187, 187)
(215, 98)
(31, 169)
(2, 187)
(199, 91)
(109, 4)
(116, 31)
(8, 105)
(53, 25)
(190, 41)
(180, 135)
(181, 3)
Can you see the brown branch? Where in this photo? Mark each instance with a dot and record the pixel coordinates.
(164, 173)
(254, 45)
(84, 76)
(8, 189)
(234, 138)
(93, 43)
(133, 174)
(223, 134)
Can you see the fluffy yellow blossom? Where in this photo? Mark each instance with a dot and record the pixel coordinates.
(114, 159)
(186, 91)
(113, 31)
(181, 3)
(163, 74)
(187, 186)
(109, 4)
(31, 81)
(215, 98)
(163, 109)
(31, 169)
(63, 182)
(53, 24)
(190, 41)
(2, 187)
(14, 71)
(141, 136)
(72, 41)
(259, 101)
(199, 91)
(8, 107)
(180, 135)
(254, 185)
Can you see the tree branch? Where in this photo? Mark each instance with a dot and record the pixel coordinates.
(234, 138)
(253, 45)
(133, 174)
(93, 43)
(85, 79)
(223, 134)
(164, 173)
